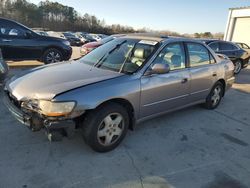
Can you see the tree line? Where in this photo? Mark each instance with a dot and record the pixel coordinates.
(54, 16)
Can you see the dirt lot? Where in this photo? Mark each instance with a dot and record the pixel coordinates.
(191, 148)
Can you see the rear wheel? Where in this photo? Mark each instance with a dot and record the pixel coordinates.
(238, 67)
(105, 127)
(214, 98)
(52, 55)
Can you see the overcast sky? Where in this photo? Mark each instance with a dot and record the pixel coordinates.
(183, 16)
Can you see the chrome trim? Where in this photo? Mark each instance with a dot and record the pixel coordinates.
(204, 90)
(151, 104)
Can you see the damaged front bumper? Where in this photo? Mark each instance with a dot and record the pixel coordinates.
(32, 120)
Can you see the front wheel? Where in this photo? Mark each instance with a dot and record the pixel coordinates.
(214, 98)
(238, 67)
(105, 127)
(52, 56)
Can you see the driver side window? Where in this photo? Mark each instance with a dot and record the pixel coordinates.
(173, 55)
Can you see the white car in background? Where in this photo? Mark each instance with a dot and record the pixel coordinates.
(96, 37)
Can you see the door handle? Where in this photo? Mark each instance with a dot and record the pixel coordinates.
(184, 80)
(6, 40)
(214, 74)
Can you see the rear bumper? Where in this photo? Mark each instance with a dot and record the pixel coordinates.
(33, 120)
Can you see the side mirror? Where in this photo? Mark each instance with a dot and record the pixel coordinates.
(158, 68)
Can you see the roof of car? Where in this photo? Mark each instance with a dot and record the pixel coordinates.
(146, 36)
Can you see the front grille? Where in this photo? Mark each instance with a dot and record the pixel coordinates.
(13, 99)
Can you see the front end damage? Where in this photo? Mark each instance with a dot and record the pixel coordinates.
(55, 127)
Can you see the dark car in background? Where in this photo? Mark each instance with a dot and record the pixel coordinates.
(3, 68)
(237, 55)
(73, 39)
(21, 43)
(86, 48)
(243, 46)
(87, 37)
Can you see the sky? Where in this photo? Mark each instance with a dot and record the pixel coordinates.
(183, 16)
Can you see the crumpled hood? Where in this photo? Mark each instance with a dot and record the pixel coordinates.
(48, 81)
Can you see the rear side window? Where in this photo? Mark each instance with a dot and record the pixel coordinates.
(173, 55)
(227, 46)
(214, 46)
(198, 55)
(11, 30)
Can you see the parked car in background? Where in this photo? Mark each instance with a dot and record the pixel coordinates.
(21, 43)
(243, 46)
(3, 68)
(125, 81)
(86, 48)
(88, 38)
(43, 33)
(238, 56)
(102, 36)
(73, 39)
(95, 36)
(56, 34)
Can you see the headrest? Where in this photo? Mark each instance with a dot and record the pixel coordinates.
(176, 59)
(168, 56)
(139, 53)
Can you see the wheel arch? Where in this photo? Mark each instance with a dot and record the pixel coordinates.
(127, 105)
(223, 82)
(51, 47)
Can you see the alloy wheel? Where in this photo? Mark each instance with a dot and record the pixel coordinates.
(216, 97)
(110, 129)
(53, 57)
(238, 67)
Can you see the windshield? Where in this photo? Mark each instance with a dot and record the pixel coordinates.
(121, 55)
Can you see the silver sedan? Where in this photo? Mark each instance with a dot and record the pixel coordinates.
(123, 82)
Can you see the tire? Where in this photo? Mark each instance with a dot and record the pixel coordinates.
(52, 55)
(214, 98)
(105, 127)
(238, 66)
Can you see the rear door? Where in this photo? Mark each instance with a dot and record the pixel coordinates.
(203, 71)
(164, 92)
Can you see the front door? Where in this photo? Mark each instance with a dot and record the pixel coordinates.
(164, 92)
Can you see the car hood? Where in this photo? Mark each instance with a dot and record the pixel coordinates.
(48, 81)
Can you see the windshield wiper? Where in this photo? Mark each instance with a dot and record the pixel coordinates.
(128, 57)
(101, 60)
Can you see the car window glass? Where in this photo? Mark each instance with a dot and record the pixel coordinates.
(11, 31)
(198, 54)
(227, 46)
(214, 46)
(120, 55)
(173, 55)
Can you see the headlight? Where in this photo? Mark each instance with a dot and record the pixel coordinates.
(54, 109)
(67, 43)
